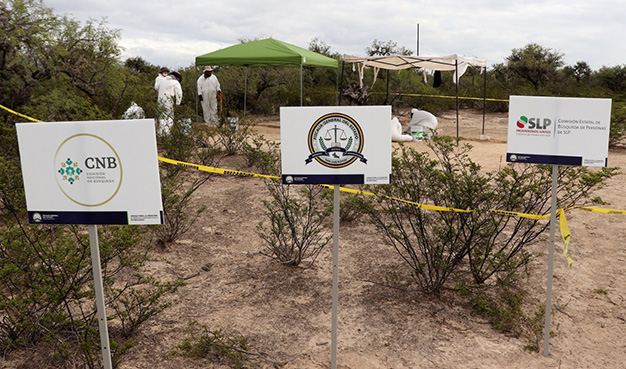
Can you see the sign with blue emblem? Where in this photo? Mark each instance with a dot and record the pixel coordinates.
(336, 145)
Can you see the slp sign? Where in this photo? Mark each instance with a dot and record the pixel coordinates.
(336, 145)
(534, 123)
(558, 131)
(101, 172)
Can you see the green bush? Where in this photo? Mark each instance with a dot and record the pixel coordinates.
(618, 123)
(262, 154)
(191, 144)
(298, 221)
(231, 141)
(46, 280)
(432, 243)
(47, 297)
(503, 307)
(216, 347)
(353, 207)
(178, 184)
(500, 247)
(436, 244)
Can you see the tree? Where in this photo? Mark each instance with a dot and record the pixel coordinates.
(54, 68)
(138, 65)
(42, 53)
(535, 64)
(613, 78)
(385, 48)
(23, 42)
(321, 47)
(580, 71)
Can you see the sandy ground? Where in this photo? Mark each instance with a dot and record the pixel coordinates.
(286, 312)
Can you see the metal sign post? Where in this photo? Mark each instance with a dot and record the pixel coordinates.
(335, 145)
(546, 335)
(557, 131)
(100, 305)
(333, 353)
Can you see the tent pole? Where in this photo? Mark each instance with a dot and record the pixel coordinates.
(337, 84)
(456, 77)
(387, 98)
(417, 52)
(484, 99)
(300, 84)
(245, 92)
(343, 64)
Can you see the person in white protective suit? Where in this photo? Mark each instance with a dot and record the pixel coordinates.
(422, 121)
(208, 90)
(160, 77)
(134, 112)
(396, 132)
(170, 93)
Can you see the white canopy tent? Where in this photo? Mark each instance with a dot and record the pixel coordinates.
(454, 62)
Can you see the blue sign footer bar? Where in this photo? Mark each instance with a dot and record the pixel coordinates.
(544, 159)
(78, 217)
(323, 179)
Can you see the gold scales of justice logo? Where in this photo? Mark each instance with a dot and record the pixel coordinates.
(335, 140)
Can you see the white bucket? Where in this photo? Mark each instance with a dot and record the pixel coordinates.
(417, 133)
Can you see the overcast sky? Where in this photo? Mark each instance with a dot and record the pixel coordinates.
(173, 33)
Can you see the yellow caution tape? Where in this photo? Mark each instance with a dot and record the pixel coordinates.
(205, 168)
(520, 215)
(423, 206)
(342, 189)
(565, 232)
(353, 191)
(601, 210)
(21, 115)
(566, 235)
(444, 96)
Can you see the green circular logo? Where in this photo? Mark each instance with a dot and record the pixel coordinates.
(89, 170)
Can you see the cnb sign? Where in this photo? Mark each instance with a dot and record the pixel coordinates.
(103, 172)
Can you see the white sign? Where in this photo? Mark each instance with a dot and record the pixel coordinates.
(336, 144)
(558, 131)
(95, 172)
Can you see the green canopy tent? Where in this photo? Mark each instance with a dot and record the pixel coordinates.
(266, 52)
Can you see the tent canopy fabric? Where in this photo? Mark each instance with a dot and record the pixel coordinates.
(454, 62)
(269, 52)
(397, 62)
